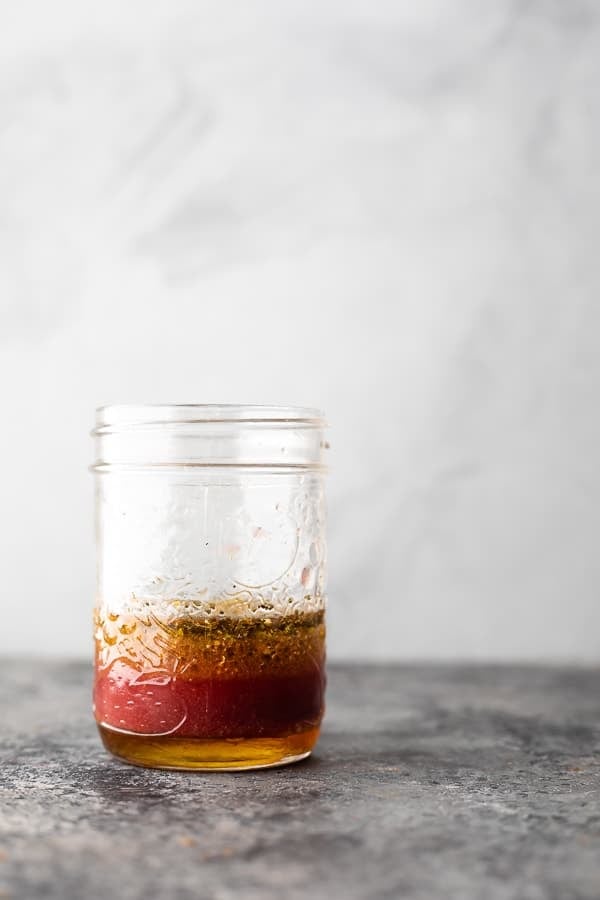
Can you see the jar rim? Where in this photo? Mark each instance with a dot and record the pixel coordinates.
(124, 415)
(201, 435)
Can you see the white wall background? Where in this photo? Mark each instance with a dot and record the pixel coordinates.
(390, 210)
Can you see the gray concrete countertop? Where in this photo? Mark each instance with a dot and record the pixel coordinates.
(428, 781)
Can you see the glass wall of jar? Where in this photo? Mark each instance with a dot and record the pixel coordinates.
(209, 617)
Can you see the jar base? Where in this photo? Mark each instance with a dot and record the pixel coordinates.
(206, 754)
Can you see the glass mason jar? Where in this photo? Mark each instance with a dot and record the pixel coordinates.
(209, 619)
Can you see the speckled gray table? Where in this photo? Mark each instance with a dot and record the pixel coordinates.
(428, 782)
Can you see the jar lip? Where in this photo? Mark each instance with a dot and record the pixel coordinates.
(124, 415)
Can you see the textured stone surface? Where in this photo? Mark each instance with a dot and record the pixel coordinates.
(459, 782)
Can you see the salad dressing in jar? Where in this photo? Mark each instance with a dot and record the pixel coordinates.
(210, 611)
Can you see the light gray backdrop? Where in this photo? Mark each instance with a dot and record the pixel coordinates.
(387, 209)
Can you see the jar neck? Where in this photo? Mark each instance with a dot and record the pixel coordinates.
(196, 435)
